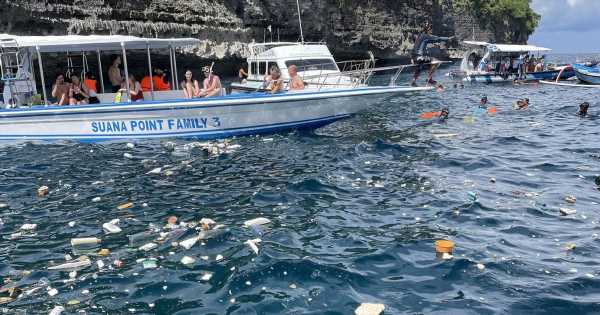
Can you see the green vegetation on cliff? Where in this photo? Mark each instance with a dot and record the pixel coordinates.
(502, 15)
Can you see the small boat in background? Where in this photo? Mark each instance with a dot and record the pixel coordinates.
(588, 73)
(497, 63)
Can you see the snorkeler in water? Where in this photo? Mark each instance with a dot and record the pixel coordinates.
(521, 104)
(444, 115)
(483, 102)
(583, 109)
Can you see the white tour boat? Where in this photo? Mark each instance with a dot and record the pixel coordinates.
(29, 113)
(497, 63)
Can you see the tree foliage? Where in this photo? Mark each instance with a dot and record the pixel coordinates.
(502, 12)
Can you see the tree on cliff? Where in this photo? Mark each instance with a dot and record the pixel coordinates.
(514, 20)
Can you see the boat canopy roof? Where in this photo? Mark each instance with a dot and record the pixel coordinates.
(73, 43)
(279, 50)
(508, 47)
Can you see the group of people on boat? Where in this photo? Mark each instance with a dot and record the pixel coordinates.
(72, 91)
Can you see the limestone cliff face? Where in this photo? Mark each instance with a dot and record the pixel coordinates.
(350, 27)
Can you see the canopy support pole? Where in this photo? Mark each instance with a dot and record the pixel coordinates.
(175, 66)
(127, 87)
(150, 71)
(100, 70)
(37, 49)
(173, 84)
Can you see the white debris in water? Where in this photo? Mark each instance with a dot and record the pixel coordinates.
(155, 171)
(86, 291)
(96, 199)
(267, 139)
(253, 244)
(57, 310)
(52, 291)
(567, 211)
(293, 286)
(369, 309)
(480, 266)
(130, 145)
(149, 246)
(128, 155)
(206, 277)
(573, 270)
(100, 264)
(589, 275)
(570, 199)
(187, 260)
(219, 257)
(28, 226)
(248, 283)
(71, 223)
(446, 256)
(257, 221)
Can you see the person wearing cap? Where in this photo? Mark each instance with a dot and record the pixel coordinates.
(211, 84)
(420, 54)
(296, 83)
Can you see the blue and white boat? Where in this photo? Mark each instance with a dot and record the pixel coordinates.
(28, 114)
(498, 63)
(588, 73)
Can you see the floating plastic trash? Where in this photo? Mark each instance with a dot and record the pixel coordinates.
(73, 302)
(570, 199)
(473, 196)
(206, 223)
(444, 246)
(172, 220)
(118, 263)
(81, 262)
(96, 199)
(570, 246)
(257, 221)
(369, 309)
(150, 263)
(219, 257)
(141, 238)
(110, 228)
(148, 247)
(28, 226)
(71, 224)
(480, 266)
(567, 211)
(57, 310)
(187, 244)
(253, 244)
(43, 191)
(206, 277)
(85, 241)
(446, 256)
(130, 145)
(100, 264)
(187, 260)
(128, 155)
(125, 206)
(492, 180)
(155, 171)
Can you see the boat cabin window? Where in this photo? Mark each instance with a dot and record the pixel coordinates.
(262, 68)
(313, 64)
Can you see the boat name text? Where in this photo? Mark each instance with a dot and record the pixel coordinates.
(109, 126)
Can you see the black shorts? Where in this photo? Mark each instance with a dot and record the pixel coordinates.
(116, 88)
(78, 97)
(422, 63)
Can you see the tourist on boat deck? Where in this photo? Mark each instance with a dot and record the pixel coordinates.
(114, 74)
(212, 83)
(190, 86)
(583, 109)
(276, 84)
(243, 73)
(60, 90)
(159, 80)
(420, 55)
(269, 77)
(90, 87)
(296, 82)
(77, 94)
(135, 89)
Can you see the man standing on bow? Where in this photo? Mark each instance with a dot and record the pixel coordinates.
(420, 54)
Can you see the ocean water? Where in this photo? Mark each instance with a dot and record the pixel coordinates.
(356, 207)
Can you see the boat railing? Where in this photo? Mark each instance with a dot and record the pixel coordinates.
(358, 77)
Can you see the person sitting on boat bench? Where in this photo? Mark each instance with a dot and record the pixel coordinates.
(135, 89)
(421, 55)
(269, 77)
(90, 86)
(77, 93)
(296, 82)
(190, 86)
(158, 80)
(114, 74)
(211, 84)
(276, 85)
(60, 90)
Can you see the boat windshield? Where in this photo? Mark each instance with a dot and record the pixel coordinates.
(312, 64)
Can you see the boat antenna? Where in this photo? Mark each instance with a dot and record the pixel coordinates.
(300, 22)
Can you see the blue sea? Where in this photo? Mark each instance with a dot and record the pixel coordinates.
(355, 208)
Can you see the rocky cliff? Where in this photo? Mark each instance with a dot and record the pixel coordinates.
(350, 27)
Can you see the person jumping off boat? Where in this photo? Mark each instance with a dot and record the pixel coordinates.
(420, 54)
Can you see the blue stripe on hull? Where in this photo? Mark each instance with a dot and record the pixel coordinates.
(534, 76)
(588, 78)
(206, 135)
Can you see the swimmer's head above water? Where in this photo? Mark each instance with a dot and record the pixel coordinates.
(583, 109)
(444, 113)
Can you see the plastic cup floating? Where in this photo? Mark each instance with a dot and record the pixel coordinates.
(444, 246)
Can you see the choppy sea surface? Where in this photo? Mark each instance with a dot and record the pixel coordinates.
(355, 208)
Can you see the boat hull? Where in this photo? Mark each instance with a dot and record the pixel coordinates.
(587, 74)
(532, 76)
(202, 118)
